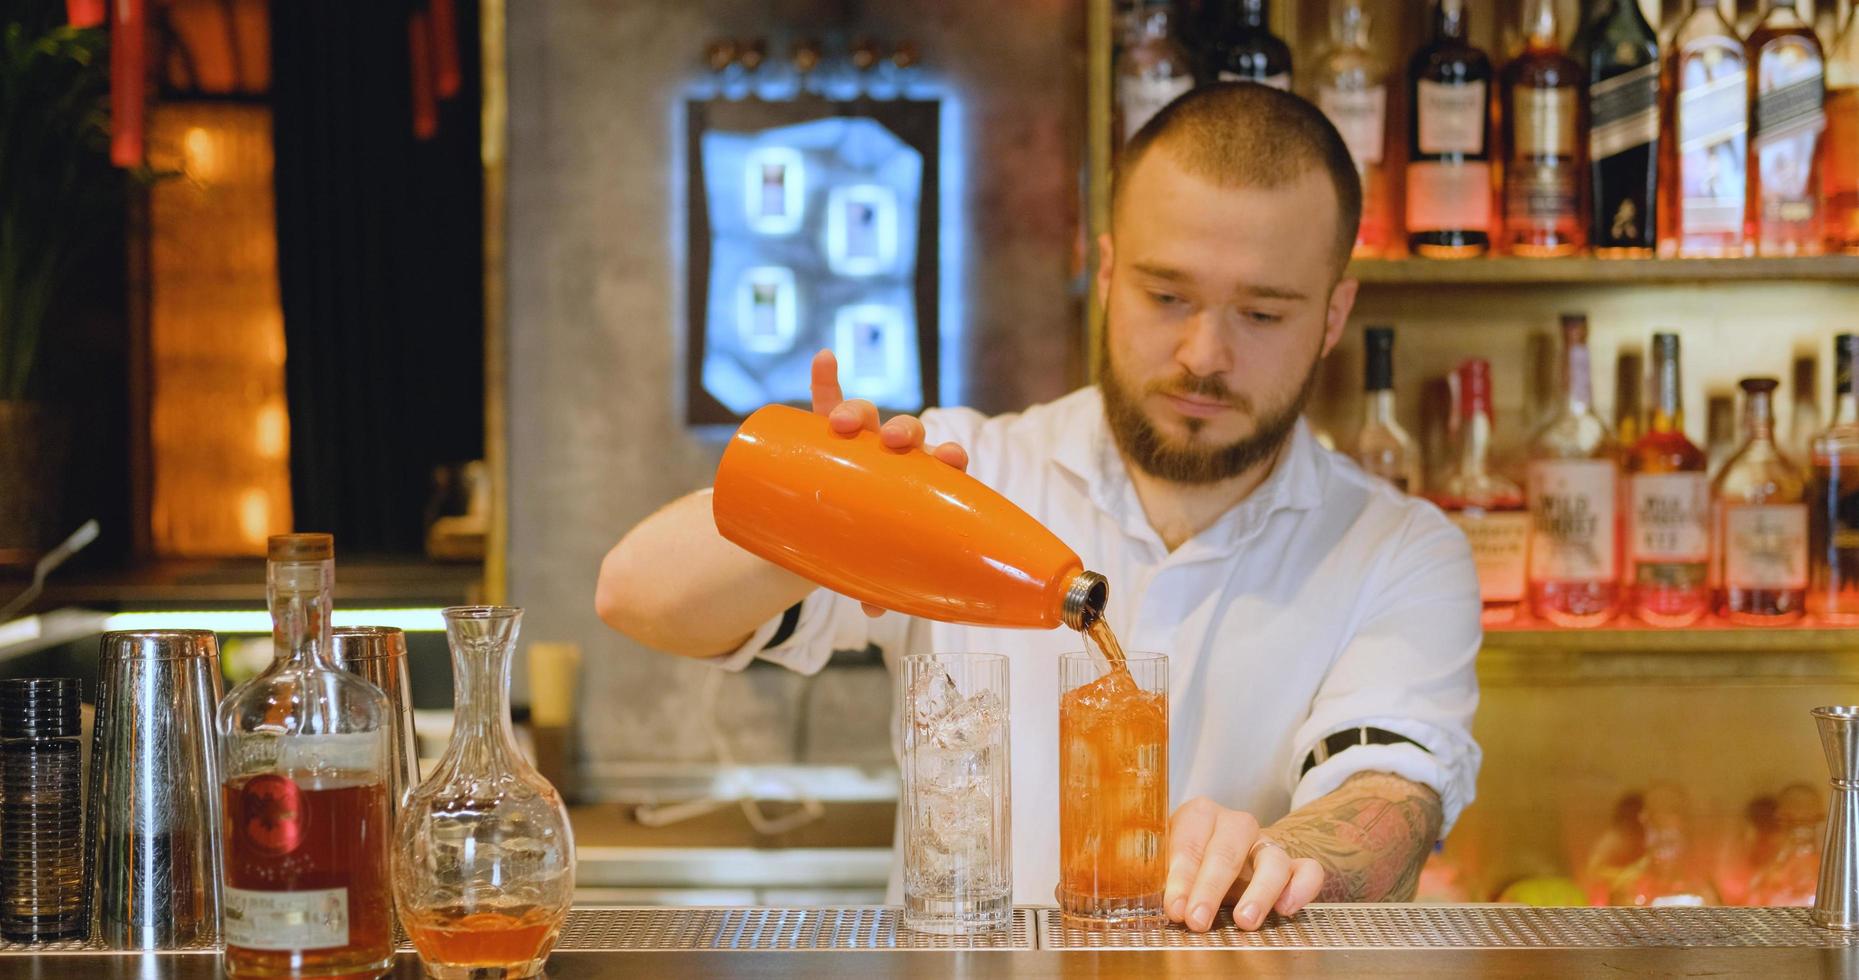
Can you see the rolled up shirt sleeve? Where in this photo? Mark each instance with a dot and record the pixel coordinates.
(1410, 669)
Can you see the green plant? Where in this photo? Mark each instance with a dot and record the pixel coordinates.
(57, 188)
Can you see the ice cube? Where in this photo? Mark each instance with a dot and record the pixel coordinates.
(1136, 850)
(932, 695)
(971, 721)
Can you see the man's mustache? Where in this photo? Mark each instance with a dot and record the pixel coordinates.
(1202, 386)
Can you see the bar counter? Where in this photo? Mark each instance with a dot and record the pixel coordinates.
(1334, 940)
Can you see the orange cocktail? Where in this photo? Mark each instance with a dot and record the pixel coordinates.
(1113, 788)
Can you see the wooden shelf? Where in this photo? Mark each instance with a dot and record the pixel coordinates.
(216, 583)
(1707, 639)
(1592, 271)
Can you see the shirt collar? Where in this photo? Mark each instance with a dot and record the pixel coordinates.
(1295, 483)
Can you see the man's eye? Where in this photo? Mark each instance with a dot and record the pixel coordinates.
(1165, 299)
(1264, 318)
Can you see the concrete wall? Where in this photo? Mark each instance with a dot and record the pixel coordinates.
(596, 301)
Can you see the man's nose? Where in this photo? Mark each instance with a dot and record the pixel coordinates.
(1204, 350)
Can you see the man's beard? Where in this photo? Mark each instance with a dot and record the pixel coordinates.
(1157, 455)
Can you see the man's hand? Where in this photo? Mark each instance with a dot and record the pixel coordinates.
(849, 417)
(1219, 857)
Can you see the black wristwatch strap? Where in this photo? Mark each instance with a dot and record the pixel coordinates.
(790, 621)
(1349, 739)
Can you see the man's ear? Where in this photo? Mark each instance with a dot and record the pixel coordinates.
(1106, 260)
(1342, 302)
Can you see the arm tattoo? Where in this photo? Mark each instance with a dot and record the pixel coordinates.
(1371, 836)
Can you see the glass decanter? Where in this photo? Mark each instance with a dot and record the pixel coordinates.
(485, 856)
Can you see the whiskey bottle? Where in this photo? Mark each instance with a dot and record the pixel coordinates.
(1383, 448)
(1621, 54)
(304, 793)
(1448, 141)
(1761, 518)
(1486, 506)
(1704, 144)
(1153, 70)
(1788, 89)
(1668, 506)
(1542, 174)
(1833, 525)
(1352, 90)
(1572, 493)
(1840, 174)
(1248, 51)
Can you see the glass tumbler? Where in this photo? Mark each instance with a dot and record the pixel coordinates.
(958, 876)
(1113, 789)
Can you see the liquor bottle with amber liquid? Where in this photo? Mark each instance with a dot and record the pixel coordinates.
(1620, 53)
(1486, 506)
(1668, 507)
(1572, 495)
(1840, 172)
(1352, 90)
(1704, 143)
(305, 816)
(1383, 448)
(1542, 175)
(1833, 526)
(1788, 85)
(1248, 51)
(1761, 517)
(1448, 141)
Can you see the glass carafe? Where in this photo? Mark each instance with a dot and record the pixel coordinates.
(484, 868)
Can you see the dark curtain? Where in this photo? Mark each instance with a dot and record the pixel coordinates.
(380, 262)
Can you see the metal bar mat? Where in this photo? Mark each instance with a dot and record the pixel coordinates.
(849, 928)
(1467, 927)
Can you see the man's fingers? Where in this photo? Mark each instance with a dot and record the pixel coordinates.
(825, 382)
(1188, 833)
(1306, 882)
(1271, 872)
(901, 432)
(854, 416)
(952, 454)
(1232, 838)
(871, 610)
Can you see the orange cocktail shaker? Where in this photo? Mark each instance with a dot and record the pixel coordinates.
(901, 530)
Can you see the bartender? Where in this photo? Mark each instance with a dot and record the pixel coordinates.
(1321, 626)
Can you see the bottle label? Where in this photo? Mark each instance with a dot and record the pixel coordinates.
(1572, 520)
(1451, 118)
(1445, 196)
(1790, 113)
(1499, 541)
(1280, 81)
(1713, 134)
(258, 752)
(285, 920)
(1545, 122)
(1669, 524)
(1765, 546)
(1541, 192)
(1625, 112)
(1139, 99)
(1361, 116)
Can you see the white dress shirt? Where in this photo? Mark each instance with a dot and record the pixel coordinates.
(1324, 601)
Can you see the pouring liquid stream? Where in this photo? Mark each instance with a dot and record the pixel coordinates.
(1098, 634)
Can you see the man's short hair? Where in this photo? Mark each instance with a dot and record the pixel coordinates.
(1242, 134)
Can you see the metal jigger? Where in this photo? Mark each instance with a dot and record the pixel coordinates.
(1836, 900)
(154, 791)
(378, 654)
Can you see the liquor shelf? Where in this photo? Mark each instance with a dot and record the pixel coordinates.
(1592, 271)
(1341, 940)
(1629, 638)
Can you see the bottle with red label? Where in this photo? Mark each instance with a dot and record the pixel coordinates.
(305, 810)
(1485, 505)
(1760, 504)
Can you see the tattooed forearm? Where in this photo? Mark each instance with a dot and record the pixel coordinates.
(1371, 836)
